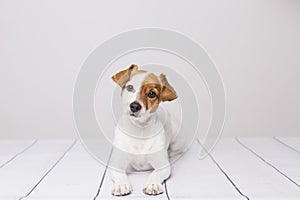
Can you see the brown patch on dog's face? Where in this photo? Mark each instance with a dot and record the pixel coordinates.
(154, 90)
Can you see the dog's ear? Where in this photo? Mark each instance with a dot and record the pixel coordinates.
(168, 93)
(123, 76)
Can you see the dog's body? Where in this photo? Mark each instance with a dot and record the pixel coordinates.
(146, 135)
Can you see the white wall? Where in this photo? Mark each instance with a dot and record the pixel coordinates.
(254, 43)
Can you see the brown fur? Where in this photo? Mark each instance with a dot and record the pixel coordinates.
(168, 93)
(122, 77)
(159, 85)
(151, 83)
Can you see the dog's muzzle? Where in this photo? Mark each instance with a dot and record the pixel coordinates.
(135, 106)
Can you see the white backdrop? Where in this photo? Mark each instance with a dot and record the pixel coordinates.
(255, 45)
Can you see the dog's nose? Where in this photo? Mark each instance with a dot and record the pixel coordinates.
(135, 106)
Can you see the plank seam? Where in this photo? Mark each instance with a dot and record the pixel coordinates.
(103, 176)
(166, 189)
(286, 145)
(52, 167)
(266, 162)
(224, 173)
(19, 153)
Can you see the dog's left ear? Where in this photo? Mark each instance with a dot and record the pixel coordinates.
(123, 76)
(168, 93)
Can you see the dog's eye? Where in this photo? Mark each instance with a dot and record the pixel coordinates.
(151, 94)
(130, 88)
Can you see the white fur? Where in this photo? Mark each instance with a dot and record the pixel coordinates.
(143, 142)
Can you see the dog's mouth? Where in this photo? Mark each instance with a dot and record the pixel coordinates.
(133, 114)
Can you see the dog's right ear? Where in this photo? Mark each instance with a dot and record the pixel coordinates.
(123, 76)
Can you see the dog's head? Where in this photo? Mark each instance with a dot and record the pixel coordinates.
(142, 91)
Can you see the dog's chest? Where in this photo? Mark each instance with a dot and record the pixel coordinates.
(140, 141)
(140, 163)
(140, 160)
(139, 146)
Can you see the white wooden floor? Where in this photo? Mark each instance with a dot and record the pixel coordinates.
(238, 168)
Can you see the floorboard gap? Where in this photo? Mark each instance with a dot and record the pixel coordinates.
(103, 176)
(224, 173)
(53, 166)
(266, 162)
(166, 189)
(19, 153)
(286, 145)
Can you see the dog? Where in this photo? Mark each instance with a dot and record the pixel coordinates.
(145, 138)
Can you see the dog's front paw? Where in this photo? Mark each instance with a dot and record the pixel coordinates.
(153, 189)
(121, 189)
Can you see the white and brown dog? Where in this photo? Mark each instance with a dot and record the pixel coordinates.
(144, 138)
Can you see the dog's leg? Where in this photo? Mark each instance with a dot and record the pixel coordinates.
(119, 164)
(162, 171)
(122, 185)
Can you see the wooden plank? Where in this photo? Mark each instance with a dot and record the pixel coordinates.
(282, 159)
(252, 175)
(193, 178)
(77, 176)
(137, 181)
(21, 175)
(11, 149)
(291, 142)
